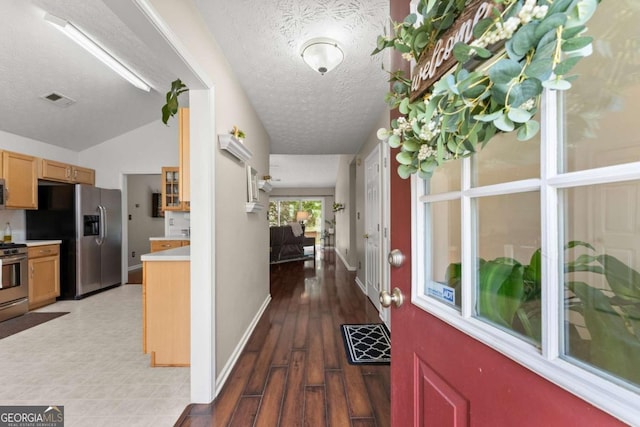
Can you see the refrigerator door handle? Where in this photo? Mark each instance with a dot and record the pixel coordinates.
(102, 225)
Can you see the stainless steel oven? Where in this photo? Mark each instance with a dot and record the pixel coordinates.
(14, 284)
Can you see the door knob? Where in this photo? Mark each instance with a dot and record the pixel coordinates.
(394, 297)
(396, 258)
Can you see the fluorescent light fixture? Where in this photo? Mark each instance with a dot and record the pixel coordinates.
(92, 47)
(322, 54)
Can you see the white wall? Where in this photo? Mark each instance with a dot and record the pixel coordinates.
(142, 151)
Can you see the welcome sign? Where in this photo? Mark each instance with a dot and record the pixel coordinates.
(435, 62)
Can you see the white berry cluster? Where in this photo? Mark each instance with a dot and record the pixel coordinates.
(528, 104)
(403, 126)
(429, 130)
(425, 152)
(505, 30)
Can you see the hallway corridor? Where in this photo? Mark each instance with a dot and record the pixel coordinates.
(294, 371)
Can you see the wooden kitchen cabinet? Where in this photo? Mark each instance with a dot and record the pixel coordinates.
(63, 172)
(44, 275)
(20, 173)
(163, 245)
(171, 189)
(166, 312)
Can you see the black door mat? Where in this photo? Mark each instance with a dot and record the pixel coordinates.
(26, 321)
(368, 343)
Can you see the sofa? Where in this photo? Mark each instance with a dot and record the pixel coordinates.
(285, 245)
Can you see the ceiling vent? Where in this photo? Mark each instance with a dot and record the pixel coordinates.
(58, 99)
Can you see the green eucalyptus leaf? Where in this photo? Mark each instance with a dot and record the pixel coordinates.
(519, 115)
(568, 33)
(522, 92)
(524, 39)
(504, 71)
(450, 80)
(499, 93)
(557, 84)
(559, 6)
(511, 54)
(411, 19)
(462, 52)
(540, 69)
(504, 123)
(582, 11)
(528, 130)
(405, 171)
(549, 23)
(394, 141)
(404, 106)
(546, 50)
(411, 146)
(488, 117)
(565, 66)
(481, 27)
(404, 158)
(576, 43)
(420, 41)
(483, 53)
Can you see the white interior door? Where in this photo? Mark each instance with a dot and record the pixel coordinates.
(372, 227)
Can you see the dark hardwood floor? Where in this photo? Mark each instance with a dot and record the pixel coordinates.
(294, 371)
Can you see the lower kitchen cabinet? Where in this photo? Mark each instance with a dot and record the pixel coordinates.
(166, 312)
(44, 275)
(163, 245)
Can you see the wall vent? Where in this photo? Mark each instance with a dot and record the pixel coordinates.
(58, 99)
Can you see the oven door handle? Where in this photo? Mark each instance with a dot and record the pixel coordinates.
(13, 259)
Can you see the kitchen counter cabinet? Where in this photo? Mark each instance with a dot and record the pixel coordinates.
(163, 245)
(20, 173)
(44, 275)
(63, 172)
(166, 310)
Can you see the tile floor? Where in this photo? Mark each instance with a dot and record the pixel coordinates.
(91, 361)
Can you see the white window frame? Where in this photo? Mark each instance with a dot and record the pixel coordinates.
(577, 378)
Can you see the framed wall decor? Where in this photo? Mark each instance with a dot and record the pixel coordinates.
(252, 184)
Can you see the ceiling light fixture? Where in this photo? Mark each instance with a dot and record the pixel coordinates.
(322, 55)
(92, 47)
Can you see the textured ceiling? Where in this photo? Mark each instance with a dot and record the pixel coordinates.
(304, 113)
(37, 59)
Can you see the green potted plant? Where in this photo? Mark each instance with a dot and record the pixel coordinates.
(509, 295)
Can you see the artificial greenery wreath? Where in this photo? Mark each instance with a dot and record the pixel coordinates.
(542, 41)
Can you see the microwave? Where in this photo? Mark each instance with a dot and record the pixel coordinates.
(3, 193)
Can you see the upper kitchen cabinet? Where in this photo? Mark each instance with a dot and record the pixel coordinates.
(170, 189)
(63, 172)
(184, 182)
(20, 173)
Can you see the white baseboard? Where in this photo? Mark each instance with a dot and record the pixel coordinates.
(344, 261)
(361, 285)
(135, 267)
(228, 367)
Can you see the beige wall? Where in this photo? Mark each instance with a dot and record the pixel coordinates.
(140, 224)
(345, 232)
(241, 238)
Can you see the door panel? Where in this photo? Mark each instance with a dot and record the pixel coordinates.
(440, 404)
(372, 227)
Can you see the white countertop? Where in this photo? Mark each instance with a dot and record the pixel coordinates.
(30, 243)
(182, 253)
(174, 237)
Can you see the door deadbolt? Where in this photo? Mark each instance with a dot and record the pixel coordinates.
(396, 258)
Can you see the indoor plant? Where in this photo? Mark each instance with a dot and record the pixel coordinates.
(509, 293)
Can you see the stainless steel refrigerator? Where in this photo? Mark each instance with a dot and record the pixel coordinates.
(88, 220)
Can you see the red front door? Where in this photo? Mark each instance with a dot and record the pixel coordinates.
(442, 377)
